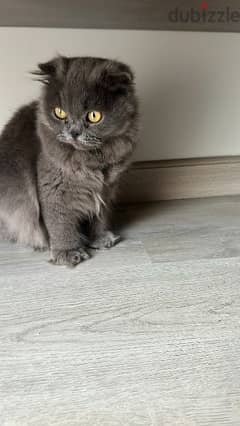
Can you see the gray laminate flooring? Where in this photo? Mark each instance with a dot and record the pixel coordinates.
(147, 333)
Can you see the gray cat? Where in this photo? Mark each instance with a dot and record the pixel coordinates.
(61, 157)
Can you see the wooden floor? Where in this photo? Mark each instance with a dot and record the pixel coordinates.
(147, 333)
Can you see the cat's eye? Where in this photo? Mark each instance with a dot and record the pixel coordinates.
(60, 113)
(94, 116)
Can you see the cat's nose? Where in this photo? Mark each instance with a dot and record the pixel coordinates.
(75, 133)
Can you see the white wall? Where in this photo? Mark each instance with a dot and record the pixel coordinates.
(188, 83)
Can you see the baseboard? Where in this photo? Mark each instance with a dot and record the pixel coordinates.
(181, 179)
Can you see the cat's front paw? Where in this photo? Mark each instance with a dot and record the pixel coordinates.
(68, 257)
(105, 241)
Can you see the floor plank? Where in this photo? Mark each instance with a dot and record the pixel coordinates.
(147, 333)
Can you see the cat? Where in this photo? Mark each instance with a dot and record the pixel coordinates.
(61, 157)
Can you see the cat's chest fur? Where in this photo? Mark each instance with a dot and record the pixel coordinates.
(83, 190)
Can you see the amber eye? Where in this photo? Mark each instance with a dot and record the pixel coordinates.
(94, 116)
(60, 113)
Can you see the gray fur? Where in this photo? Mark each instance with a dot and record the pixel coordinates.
(58, 179)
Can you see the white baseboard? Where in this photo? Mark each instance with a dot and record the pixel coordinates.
(180, 179)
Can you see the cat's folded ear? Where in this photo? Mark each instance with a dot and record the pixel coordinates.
(118, 77)
(52, 70)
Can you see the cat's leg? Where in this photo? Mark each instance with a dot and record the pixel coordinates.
(67, 244)
(20, 217)
(101, 237)
(23, 226)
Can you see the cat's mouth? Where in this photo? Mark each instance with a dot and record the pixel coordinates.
(81, 142)
(90, 141)
(85, 145)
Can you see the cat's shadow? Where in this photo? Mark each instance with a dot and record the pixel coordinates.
(126, 216)
(131, 219)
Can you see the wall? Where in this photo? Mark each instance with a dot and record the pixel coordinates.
(194, 15)
(188, 83)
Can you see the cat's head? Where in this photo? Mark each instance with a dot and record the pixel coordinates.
(86, 101)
